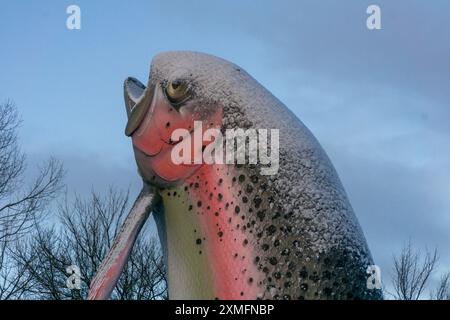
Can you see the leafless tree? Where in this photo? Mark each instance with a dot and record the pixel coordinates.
(13, 282)
(87, 230)
(412, 272)
(443, 290)
(22, 204)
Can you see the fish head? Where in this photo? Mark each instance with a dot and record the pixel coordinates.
(180, 95)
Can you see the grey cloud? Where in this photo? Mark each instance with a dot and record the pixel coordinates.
(87, 171)
(330, 38)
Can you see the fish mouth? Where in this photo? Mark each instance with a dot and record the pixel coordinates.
(138, 100)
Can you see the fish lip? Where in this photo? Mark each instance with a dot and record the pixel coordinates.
(137, 113)
(172, 144)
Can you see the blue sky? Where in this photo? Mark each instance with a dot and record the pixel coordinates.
(378, 101)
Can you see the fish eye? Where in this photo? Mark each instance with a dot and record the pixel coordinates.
(177, 91)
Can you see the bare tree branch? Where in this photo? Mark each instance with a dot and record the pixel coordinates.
(412, 272)
(443, 290)
(22, 205)
(87, 229)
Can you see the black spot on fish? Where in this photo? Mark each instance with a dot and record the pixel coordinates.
(257, 201)
(241, 178)
(314, 277)
(237, 209)
(198, 241)
(261, 214)
(303, 273)
(199, 204)
(271, 230)
(288, 215)
(273, 261)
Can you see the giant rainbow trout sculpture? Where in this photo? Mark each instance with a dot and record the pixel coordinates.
(233, 230)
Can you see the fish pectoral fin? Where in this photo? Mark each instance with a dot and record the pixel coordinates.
(112, 265)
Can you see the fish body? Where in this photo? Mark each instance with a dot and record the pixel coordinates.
(232, 231)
